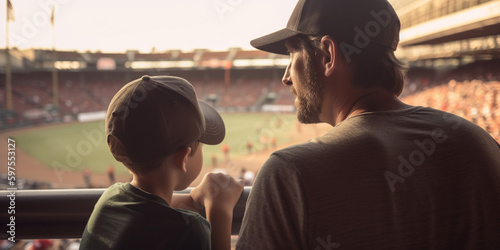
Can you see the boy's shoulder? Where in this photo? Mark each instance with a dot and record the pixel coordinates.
(126, 216)
(126, 197)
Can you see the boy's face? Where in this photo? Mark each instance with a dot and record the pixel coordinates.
(193, 166)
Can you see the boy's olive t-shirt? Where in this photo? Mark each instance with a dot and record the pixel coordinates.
(126, 217)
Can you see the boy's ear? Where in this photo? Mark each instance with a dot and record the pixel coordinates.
(181, 157)
(330, 55)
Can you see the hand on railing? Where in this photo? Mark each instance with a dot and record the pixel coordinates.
(219, 193)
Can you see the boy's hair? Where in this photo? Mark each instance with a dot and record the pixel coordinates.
(145, 167)
(374, 66)
(153, 117)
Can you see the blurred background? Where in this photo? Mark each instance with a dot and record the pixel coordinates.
(61, 62)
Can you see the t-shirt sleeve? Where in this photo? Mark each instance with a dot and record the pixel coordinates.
(276, 210)
(196, 236)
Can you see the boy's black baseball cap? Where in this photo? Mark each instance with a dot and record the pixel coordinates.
(344, 20)
(155, 116)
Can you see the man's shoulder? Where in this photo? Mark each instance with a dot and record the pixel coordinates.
(371, 132)
(454, 125)
(335, 141)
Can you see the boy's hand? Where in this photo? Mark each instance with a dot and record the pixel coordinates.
(218, 193)
(218, 190)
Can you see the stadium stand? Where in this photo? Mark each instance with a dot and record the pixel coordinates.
(87, 81)
(248, 88)
(471, 91)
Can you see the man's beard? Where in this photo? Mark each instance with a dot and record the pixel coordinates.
(311, 99)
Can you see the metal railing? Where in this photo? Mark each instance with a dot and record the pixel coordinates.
(63, 213)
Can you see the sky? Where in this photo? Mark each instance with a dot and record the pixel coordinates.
(120, 25)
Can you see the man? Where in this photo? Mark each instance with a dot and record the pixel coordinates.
(387, 175)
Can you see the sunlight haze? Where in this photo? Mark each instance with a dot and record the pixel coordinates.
(117, 26)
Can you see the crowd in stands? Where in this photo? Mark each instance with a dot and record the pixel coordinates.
(78, 97)
(244, 92)
(471, 91)
(41, 244)
(477, 101)
(82, 92)
(22, 183)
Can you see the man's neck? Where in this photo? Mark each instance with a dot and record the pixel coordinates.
(369, 101)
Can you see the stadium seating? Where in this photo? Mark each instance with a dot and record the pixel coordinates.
(462, 90)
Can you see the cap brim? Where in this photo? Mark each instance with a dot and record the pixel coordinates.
(274, 42)
(215, 131)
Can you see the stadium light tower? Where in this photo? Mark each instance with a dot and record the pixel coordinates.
(55, 84)
(8, 78)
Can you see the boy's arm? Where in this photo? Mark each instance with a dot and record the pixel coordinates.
(220, 219)
(219, 194)
(185, 201)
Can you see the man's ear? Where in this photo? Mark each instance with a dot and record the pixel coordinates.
(181, 158)
(330, 56)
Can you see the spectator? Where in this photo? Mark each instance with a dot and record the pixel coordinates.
(42, 244)
(274, 142)
(214, 161)
(249, 147)
(159, 137)
(225, 151)
(111, 174)
(387, 175)
(87, 177)
(246, 176)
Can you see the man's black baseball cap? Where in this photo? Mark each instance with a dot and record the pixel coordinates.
(354, 22)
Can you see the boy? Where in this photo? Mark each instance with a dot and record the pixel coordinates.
(156, 127)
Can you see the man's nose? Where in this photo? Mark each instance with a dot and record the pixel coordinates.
(286, 80)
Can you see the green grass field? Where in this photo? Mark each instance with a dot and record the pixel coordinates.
(80, 145)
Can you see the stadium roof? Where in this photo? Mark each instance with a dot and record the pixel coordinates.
(201, 59)
(429, 23)
(153, 57)
(252, 54)
(211, 55)
(68, 56)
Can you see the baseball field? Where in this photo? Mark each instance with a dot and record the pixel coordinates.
(58, 154)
